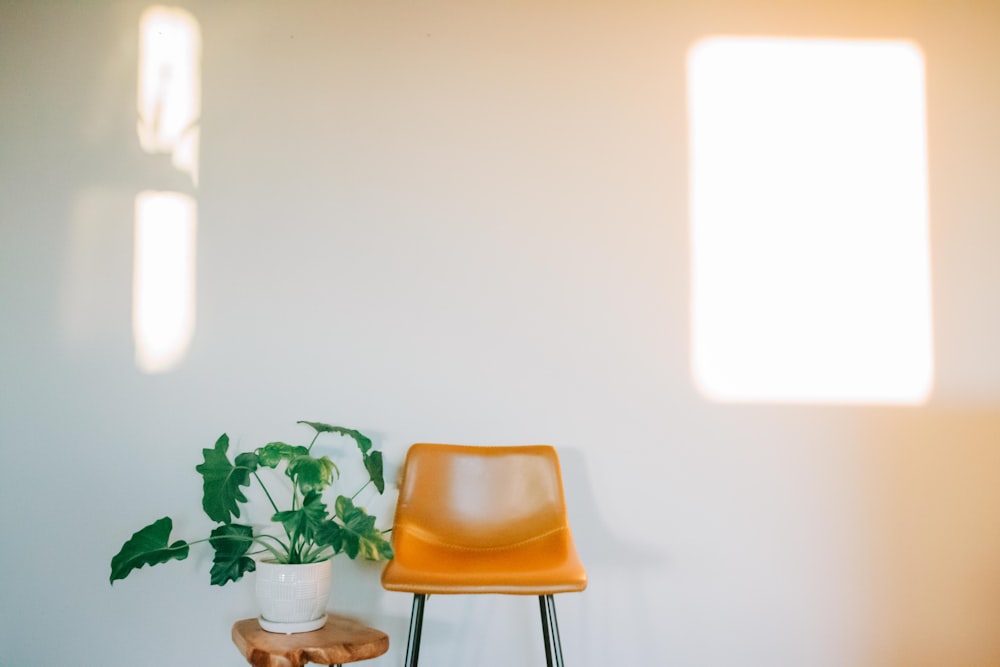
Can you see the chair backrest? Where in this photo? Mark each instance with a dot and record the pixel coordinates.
(481, 497)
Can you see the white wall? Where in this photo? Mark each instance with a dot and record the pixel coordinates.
(467, 222)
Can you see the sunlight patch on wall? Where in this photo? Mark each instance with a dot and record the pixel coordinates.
(169, 110)
(164, 280)
(169, 95)
(810, 276)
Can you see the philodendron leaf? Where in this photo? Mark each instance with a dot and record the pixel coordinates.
(307, 472)
(311, 474)
(222, 480)
(306, 520)
(148, 546)
(330, 534)
(364, 442)
(373, 464)
(373, 459)
(356, 535)
(273, 453)
(231, 542)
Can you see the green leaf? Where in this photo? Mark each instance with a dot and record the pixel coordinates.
(306, 520)
(356, 535)
(231, 542)
(363, 441)
(330, 534)
(307, 472)
(372, 458)
(222, 480)
(311, 474)
(373, 464)
(147, 546)
(273, 453)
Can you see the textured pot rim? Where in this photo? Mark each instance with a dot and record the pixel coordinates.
(271, 561)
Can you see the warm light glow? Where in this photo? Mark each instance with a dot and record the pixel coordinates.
(164, 279)
(169, 97)
(809, 221)
(169, 106)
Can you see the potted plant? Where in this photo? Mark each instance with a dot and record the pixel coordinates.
(299, 540)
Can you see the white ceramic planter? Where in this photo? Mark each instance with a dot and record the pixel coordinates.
(292, 598)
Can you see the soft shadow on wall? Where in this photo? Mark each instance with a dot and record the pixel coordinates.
(624, 575)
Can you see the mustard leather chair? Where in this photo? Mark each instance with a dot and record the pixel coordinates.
(483, 520)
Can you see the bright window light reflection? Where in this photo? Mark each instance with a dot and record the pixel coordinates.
(169, 96)
(169, 107)
(163, 284)
(809, 221)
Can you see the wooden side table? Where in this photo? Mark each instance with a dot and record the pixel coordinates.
(341, 640)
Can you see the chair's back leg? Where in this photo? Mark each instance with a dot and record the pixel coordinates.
(416, 625)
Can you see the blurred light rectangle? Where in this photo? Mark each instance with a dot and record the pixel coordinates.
(163, 297)
(810, 265)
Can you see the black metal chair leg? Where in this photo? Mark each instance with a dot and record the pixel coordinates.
(553, 629)
(416, 625)
(545, 630)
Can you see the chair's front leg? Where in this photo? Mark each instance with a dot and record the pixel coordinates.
(550, 631)
(545, 630)
(416, 625)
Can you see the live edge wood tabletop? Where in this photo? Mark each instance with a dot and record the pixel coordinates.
(340, 641)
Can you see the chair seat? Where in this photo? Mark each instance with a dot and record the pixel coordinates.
(542, 565)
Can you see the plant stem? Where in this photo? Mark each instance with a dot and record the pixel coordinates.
(360, 490)
(266, 493)
(313, 555)
(315, 437)
(274, 552)
(294, 554)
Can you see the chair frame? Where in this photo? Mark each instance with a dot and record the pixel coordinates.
(550, 630)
